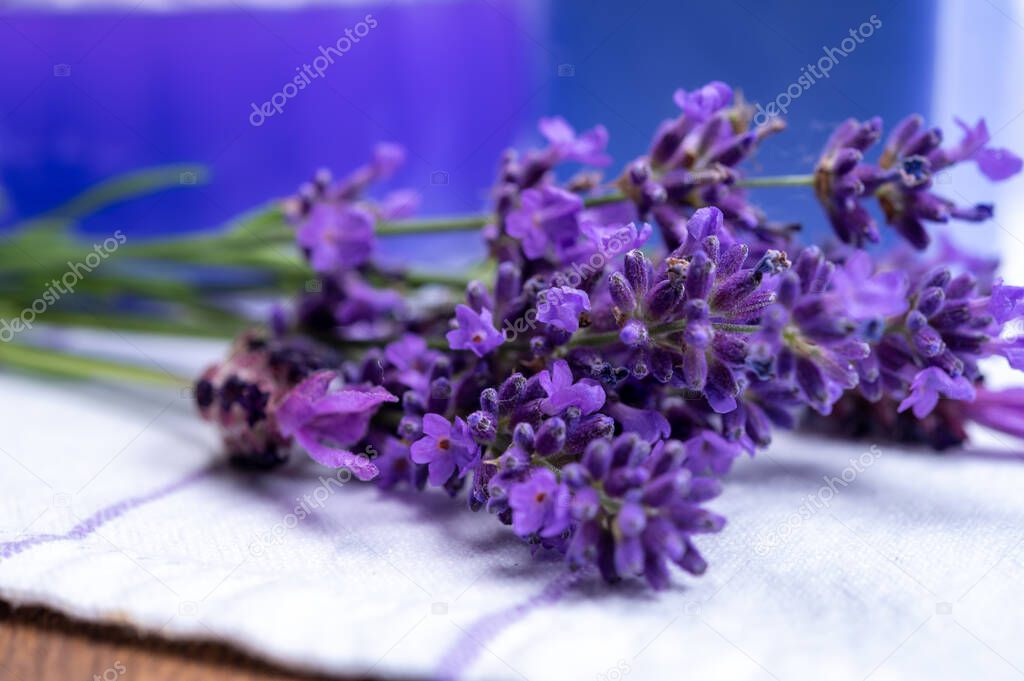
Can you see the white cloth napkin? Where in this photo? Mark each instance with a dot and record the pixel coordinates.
(906, 565)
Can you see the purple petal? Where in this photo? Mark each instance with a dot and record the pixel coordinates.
(998, 164)
(648, 424)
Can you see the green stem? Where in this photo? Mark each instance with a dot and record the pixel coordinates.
(471, 222)
(54, 363)
(129, 185)
(777, 181)
(433, 225)
(265, 228)
(225, 327)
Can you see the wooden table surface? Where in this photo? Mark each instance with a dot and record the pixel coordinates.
(39, 645)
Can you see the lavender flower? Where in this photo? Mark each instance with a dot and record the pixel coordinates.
(447, 448)
(928, 384)
(998, 409)
(337, 237)
(326, 421)
(540, 505)
(603, 426)
(637, 508)
(806, 340)
(546, 218)
(995, 164)
(241, 394)
(562, 392)
(902, 179)
(567, 146)
(561, 307)
(474, 331)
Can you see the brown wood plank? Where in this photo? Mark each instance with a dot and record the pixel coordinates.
(37, 644)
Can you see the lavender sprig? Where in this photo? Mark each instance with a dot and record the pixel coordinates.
(636, 338)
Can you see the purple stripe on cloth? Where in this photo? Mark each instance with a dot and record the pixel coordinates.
(100, 517)
(475, 639)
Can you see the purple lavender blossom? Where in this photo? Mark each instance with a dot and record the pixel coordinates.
(587, 395)
(241, 394)
(701, 103)
(807, 340)
(355, 309)
(567, 146)
(411, 359)
(325, 421)
(928, 384)
(949, 325)
(865, 294)
(396, 467)
(446, 448)
(651, 509)
(649, 424)
(1006, 302)
(540, 505)
(601, 433)
(903, 178)
(546, 217)
(995, 164)
(1000, 410)
(474, 331)
(337, 237)
(561, 307)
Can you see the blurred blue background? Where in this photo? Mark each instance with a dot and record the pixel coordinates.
(92, 89)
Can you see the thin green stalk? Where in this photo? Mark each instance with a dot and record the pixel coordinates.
(122, 187)
(223, 328)
(54, 363)
(433, 225)
(777, 181)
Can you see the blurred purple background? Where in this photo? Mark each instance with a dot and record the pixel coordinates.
(456, 81)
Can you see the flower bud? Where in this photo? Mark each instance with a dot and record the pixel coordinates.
(622, 293)
(440, 395)
(477, 296)
(523, 436)
(483, 426)
(510, 391)
(550, 437)
(489, 400)
(638, 271)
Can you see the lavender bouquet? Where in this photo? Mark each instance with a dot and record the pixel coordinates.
(591, 384)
